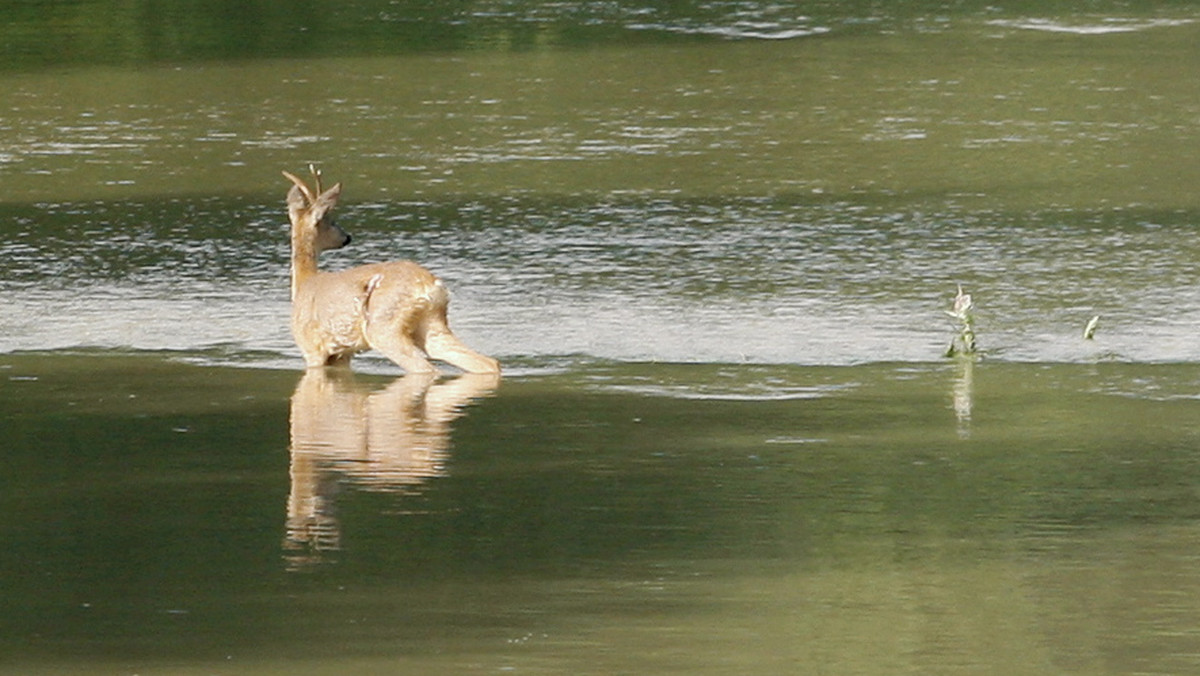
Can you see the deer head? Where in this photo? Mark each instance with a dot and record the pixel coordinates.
(313, 227)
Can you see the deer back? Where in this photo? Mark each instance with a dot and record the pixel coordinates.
(333, 311)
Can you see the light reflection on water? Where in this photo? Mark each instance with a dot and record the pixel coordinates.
(808, 201)
(759, 281)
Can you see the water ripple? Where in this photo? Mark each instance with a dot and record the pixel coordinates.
(736, 280)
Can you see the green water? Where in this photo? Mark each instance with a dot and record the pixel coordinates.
(713, 244)
(813, 199)
(169, 518)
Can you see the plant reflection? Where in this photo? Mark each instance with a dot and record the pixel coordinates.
(346, 432)
(964, 389)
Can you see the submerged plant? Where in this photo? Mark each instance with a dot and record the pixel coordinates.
(963, 342)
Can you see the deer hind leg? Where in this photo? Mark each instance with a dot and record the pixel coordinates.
(395, 339)
(400, 348)
(440, 342)
(443, 345)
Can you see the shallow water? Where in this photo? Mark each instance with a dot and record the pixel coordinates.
(799, 201)
(714, 245)
(1017, 518)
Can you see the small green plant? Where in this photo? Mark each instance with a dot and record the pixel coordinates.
(963, 342)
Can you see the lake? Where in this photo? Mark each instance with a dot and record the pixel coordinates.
(715, 246)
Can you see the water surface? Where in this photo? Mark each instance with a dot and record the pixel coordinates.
(163, 517)
(713, 244)
(812, 200)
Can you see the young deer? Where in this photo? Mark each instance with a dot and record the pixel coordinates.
(398, 308)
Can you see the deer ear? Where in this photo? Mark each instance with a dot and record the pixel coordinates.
(296, 200)
(327, 201)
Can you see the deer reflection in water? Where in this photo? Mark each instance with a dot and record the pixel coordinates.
(345, 432)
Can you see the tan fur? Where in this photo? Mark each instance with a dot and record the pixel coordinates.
(398, 308)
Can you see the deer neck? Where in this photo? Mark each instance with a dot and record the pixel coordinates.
(304, 263)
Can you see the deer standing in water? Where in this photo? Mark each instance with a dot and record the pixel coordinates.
(398, 308)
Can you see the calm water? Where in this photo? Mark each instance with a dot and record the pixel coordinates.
(624, 518)
(713, 244)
